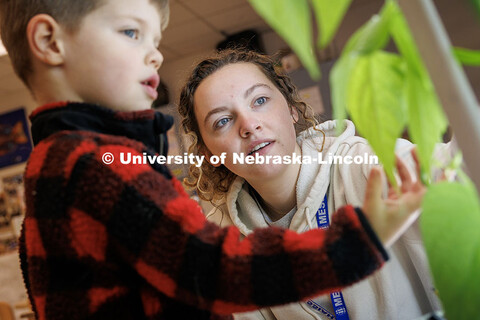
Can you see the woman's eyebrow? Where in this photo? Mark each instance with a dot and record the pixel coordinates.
(255, 86)
(212, 112)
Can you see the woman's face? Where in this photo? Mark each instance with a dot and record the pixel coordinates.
(239, 110)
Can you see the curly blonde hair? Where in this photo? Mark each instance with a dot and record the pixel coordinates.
(212, 183)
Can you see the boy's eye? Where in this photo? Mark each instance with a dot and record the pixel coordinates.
(131, 33)
(222, 122)
(260, 101)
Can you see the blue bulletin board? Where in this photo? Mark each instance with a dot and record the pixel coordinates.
(15, 142)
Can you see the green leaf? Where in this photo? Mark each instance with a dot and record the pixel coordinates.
(329, 14)
(449, 223)
(476, 5)
(404, 41)
(372, 36)
(375, 102)
(467, 57)
(426, 120)
(291, 19)
(339, 78)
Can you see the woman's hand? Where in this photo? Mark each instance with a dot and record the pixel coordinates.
(390, 217)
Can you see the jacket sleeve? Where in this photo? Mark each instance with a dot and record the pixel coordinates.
(154, 226)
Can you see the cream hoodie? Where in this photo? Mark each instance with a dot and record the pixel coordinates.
(402, 289)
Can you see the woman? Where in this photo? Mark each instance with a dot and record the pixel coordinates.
(236, 102)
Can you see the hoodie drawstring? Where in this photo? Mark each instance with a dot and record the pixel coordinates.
(307, 214)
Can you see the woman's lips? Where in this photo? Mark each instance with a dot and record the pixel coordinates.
(264, 147)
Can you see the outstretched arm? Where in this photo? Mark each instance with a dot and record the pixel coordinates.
(140, 216)
(178, 252)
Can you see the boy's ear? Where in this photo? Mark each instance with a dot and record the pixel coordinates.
(44, 39)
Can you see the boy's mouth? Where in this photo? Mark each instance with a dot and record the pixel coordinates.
(151, 85)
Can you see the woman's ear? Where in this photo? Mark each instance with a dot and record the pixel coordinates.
(45, 41)
(205, 152)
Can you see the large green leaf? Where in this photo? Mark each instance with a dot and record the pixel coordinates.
(339, 77)
(404, 41)
(476, 5)
(426, 120)
(329, 14)
(467, 57)
(291, 19)
(450, 224)
(375, 102)
(373, 35)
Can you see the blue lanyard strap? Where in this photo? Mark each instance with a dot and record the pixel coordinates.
(341, 313)
(323, 221)
(339, 306)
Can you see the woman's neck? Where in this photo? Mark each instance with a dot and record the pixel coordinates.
(278, 196)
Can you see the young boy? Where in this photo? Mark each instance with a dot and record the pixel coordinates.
(106, 240)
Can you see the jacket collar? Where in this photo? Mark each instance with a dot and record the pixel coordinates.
(313, 181)
(146, 126)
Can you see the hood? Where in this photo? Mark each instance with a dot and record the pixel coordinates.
(313, 180)
(147, 126)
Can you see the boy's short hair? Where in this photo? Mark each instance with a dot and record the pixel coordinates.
(15, 15)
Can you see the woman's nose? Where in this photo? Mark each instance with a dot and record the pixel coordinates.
(249, 124)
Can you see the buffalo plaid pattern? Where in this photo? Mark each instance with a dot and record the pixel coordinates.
(124, 241)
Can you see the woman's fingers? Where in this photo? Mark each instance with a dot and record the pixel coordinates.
(390, 217)
(417, 163)
(405, 177)
(373, 193)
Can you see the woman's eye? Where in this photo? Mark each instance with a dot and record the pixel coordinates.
(260, 101)
(131, 33)
(220, 123)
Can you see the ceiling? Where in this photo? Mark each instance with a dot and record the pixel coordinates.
(198, 25)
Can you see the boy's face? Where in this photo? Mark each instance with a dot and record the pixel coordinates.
(112, 59)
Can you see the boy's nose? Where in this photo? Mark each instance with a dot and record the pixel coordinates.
(155, 58)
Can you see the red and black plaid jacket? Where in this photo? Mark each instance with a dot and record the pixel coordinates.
(124, 241)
